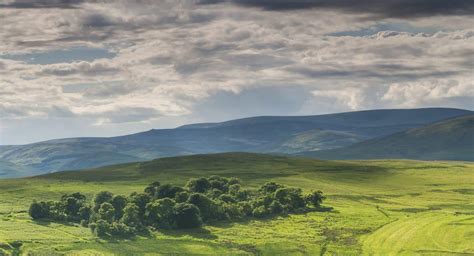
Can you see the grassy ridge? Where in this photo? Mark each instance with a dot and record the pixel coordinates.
(451, 139)
(380, 207)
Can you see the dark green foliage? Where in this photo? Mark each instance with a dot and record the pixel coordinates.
(107, 212)
(270, 187)
(131, 216)
(200, 185)
(102, 197)
(167, 206)
(140, 200)
(119, 202)
(168, 191)
(315, 198)
(152, 189)
(207, 206)
(160, 213)
(39, 210)
(187, 216)
(181, 197)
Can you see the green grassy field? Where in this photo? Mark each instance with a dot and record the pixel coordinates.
(380, 208)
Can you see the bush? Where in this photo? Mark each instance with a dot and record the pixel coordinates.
(168, 191)
(119, 202)
(200, 185)
(315, 198)
(187, 216)
(131, 216)
(38, 210)
(207, 207)
(160, 213)
(102, 197)
(107, 212)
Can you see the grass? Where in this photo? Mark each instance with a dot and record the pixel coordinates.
(379, 208)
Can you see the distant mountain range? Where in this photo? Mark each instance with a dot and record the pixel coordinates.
(451, 139)
(317, 136)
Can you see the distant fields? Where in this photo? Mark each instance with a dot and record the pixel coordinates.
(380, 208)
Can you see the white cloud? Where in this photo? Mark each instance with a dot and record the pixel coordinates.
(173, 56)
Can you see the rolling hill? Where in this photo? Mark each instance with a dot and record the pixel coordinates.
(451, 139)
(267, 134)
(377, 207)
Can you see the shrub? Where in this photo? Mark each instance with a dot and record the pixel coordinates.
(315, 198)
(160, 213)
(181, 197)
(168, 191)
(187, 216)
(102, 197)
(38, 210)
(200, 185)
(107, 212)
(206, 206)
(131, 216)
(119, 202)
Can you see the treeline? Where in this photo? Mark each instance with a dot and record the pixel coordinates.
(166, 206)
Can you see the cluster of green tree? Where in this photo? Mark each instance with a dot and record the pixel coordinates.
(166, 206)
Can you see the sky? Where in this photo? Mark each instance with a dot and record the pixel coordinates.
(75, 68)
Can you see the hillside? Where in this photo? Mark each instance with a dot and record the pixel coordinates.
(371, 207)
(451, 139)
(257, 134)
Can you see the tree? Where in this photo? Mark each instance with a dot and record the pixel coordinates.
(315, 198)
(84, 213)
(102, 197)
(119, 202)
(76, 195)
(72, 206)
(206, 206)
(270, 187)
(140, 200)
(160, 213)
(181, 197)
(168, 191)
(187, 216)
(38, 210)
(101, 228)
(152, 188)
(200, 185)
(107, 212)
(291, 198)
(130, 216)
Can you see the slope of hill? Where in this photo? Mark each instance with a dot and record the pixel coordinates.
(451, 139)
(379, 208)
(257, 134)
(9, 170)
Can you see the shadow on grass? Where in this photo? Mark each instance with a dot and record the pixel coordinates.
(243, 221)
(201, 233)
(47, 223)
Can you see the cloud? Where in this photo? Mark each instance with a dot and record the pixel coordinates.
(94, 68)
(386, 8)
(171, 62)
(33, 4)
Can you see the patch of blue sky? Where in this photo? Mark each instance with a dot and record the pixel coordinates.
(62, 56)
(392, 26)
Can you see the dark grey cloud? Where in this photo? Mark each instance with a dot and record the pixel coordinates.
(32, 4)
(385, 8)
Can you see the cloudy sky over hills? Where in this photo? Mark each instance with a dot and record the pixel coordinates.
(100, 68)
